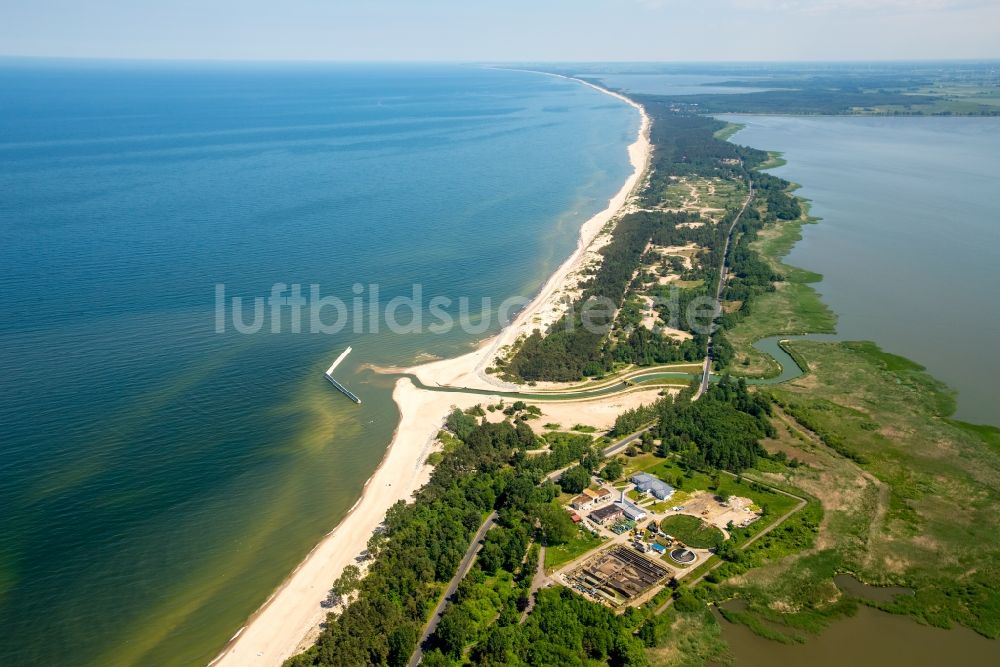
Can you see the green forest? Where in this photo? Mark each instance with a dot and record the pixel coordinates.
(887, 88)
(486, 469)
(497, 618)
(721, 430)
(685, 145)
(420, 545)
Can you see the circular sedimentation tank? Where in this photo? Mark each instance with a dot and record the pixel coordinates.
(683, 556)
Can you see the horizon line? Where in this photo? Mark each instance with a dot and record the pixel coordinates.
(456, 61)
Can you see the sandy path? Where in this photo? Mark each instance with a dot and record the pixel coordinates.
(289, 620)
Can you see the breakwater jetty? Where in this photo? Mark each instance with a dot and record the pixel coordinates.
(329, 376)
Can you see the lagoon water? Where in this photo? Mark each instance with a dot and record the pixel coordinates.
(159, 479)
(909, 241)
(680, 84)
(870, 638)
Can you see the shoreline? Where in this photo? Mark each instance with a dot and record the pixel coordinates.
(289, 620)
(468, 370)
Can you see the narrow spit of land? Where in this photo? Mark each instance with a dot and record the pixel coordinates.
(868, 544)
(289, 621)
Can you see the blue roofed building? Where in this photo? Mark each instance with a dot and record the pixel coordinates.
(630, 510)
(655, 487)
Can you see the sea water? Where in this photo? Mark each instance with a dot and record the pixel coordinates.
(161, 474)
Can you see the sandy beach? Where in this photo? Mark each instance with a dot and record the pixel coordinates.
(469, 370)
(290, 619)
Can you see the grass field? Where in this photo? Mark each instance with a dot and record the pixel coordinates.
(557, 556)
(919, 510)
(692, 531)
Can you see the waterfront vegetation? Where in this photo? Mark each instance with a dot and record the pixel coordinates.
(856, 467)
(899, 493)
(907, 515)
(728, 131)
(933, 526)
(686, 147)
(485, 468)
(793, 307)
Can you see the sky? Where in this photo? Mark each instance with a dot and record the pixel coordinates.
(503, 30)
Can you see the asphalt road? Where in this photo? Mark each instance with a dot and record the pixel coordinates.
(622, 444)
(706, 370)
(470, 554)
(463, 569)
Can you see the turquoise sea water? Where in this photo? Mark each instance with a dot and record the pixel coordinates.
(909, 240)
(159, 479)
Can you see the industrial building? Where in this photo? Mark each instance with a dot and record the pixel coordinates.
(657, 488)
(601, 495)
(630, 509)
(605, 514)
(620, 573)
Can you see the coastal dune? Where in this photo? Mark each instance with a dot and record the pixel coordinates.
(289, 621)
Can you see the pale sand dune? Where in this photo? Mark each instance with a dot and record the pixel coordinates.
(678, 334)
(599, 413)
(289, 621)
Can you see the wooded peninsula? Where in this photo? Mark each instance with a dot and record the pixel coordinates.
(855, 467)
